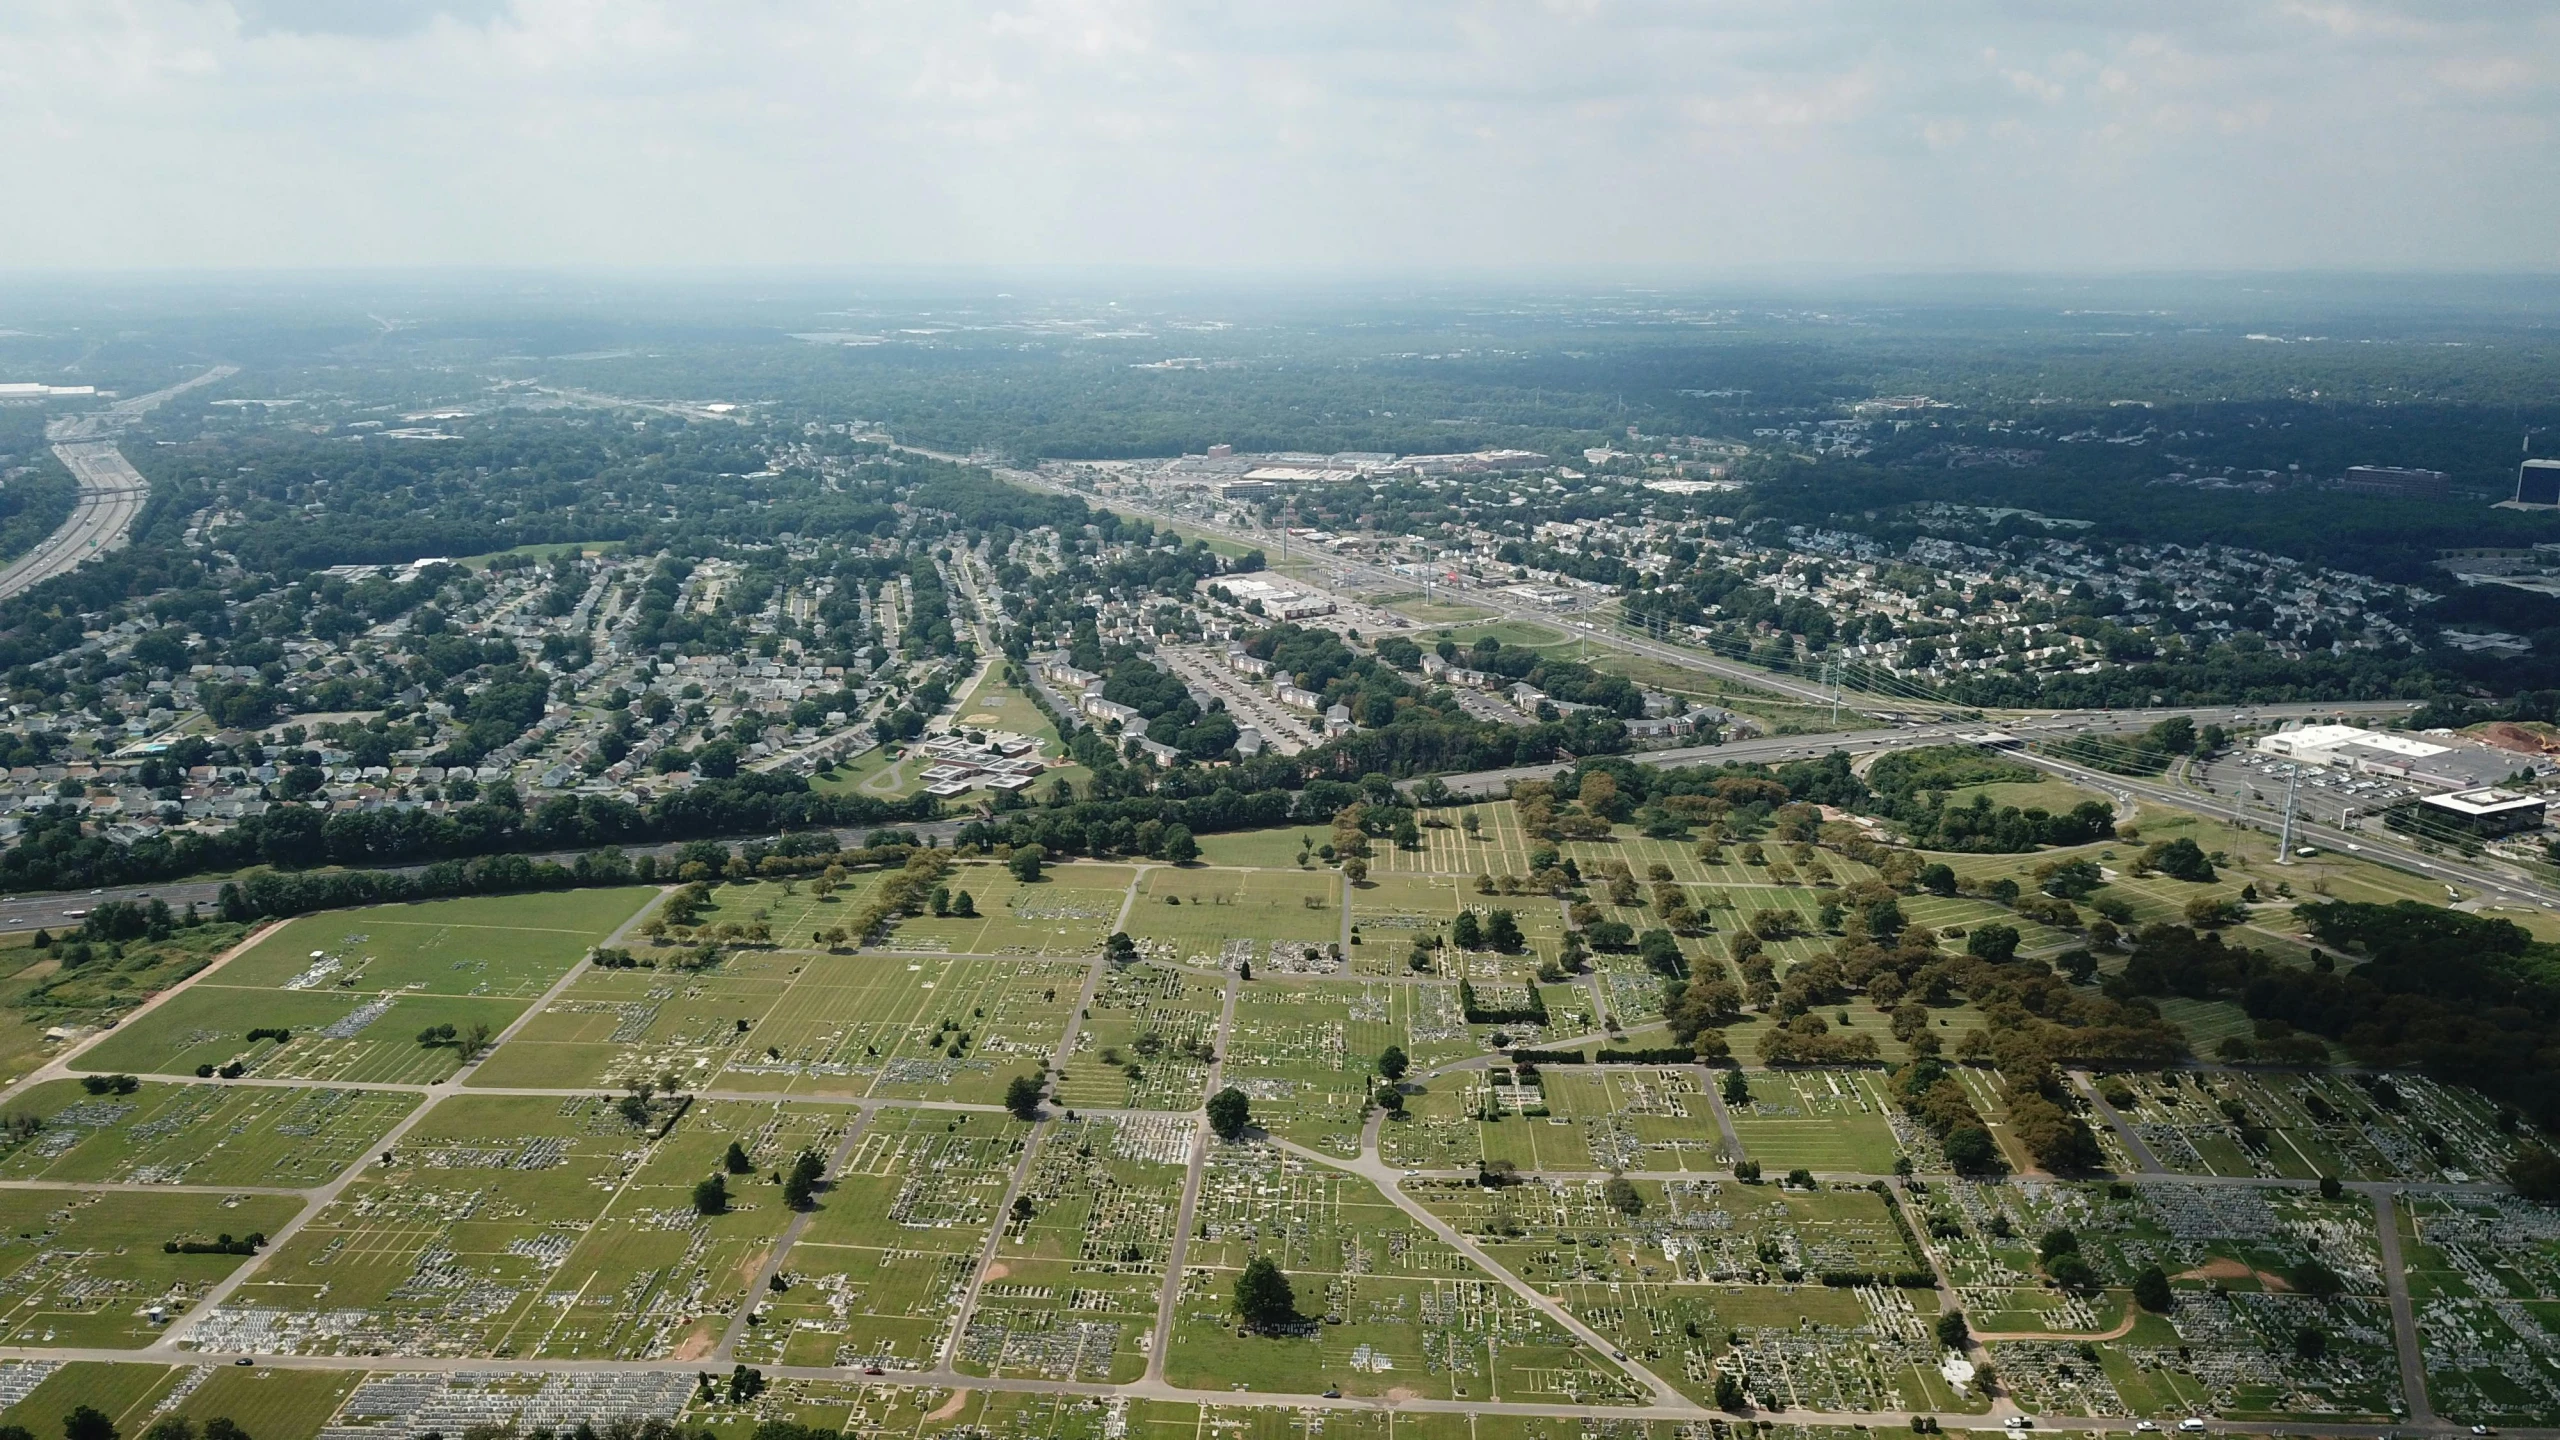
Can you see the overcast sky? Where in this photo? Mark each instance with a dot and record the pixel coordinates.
(1382, 135)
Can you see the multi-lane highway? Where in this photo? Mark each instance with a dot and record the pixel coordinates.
(2052, 726)
(2485, 879)
(106, 420)
(112, 492)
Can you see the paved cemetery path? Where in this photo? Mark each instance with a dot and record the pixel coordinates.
(1377, 1172)
(1169, 1298)
(2404, 1315)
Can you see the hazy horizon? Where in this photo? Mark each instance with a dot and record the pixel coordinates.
(1560, 141)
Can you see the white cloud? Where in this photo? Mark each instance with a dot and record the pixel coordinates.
(1321, 133)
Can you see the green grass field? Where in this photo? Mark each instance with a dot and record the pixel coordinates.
(198, 1132)
(1193, 913)
(355, 989)
(1821, 1120)
(271, 1403)
(508, 947)
(124, 1393)
(82, 1266)
(1437, 611)
(869, 1024)
(335, 1036)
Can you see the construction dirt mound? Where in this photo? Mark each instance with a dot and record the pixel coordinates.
(2523, 739)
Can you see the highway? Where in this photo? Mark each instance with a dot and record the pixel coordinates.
(112, 492)
(2497, 885)
(1776, 749)
(107, 420)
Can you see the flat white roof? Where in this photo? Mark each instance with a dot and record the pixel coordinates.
(2330, 737)
(2483, 802)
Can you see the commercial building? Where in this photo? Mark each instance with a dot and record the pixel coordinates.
(1277, 601)
(2438, 760)
(1475, 462)
(2397, 482)
(2538, 485)
(2486, 812)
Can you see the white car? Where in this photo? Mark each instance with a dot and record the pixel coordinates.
(2191, 1426)
(2146, 1427)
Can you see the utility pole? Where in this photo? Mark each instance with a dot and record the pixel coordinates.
(2292, 789)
